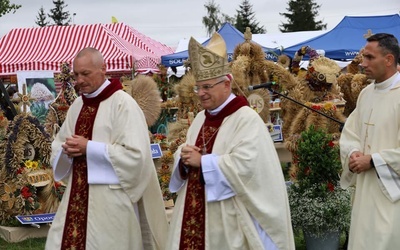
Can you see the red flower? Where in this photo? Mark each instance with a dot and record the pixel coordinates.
(331, 144)
(25, 192)
(316, 107)
(57, 184)
(330, 187)
(20, 170)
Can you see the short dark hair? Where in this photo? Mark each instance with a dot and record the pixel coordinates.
(388, 43)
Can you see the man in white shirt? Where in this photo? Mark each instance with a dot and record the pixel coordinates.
(370, 150)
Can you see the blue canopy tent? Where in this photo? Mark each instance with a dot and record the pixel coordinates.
(345, 40)
(232, 37)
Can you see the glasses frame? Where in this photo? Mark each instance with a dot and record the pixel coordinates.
(206, 87)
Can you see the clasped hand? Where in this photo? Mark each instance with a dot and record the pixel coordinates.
(191, 156)
(359, 162)
(75, 146)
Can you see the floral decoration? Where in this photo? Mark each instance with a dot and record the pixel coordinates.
(159, 138)
(164, 176)
(26, 176)
(320, 214)
(25, 128)
(318, 205)
(29, 199)
(58, 189)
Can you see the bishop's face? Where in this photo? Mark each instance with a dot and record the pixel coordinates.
(213, 92)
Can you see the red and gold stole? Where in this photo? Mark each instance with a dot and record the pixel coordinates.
(74, 236)
(193, 223)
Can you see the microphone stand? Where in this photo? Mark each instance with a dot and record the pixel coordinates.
(317, 111)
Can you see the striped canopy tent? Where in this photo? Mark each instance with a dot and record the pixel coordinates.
(45, 48)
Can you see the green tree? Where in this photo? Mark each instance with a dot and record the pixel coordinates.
(301, 16)
(58, 15)
(215, 18)
(41, 18)
(6, 7)
(212, 21)
(246, 18)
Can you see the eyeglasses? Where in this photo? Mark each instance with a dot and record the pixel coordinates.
(206, 87)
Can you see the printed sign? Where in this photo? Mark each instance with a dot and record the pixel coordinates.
(155, 150)
(35, 218)
(276, 133)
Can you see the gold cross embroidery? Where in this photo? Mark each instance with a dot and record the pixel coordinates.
(366, 131)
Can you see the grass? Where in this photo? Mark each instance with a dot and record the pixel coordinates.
(38, 243)
(29, 244)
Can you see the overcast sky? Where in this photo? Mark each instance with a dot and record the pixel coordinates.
(168, 21)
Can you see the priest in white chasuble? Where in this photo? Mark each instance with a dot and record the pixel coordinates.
(228, 177)
(113, 199)
(370, 150)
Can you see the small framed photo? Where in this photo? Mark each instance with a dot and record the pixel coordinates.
(276, 132)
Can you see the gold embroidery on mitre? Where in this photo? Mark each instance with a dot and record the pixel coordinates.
(210, 61)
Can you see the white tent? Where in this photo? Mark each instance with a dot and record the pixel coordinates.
(283, 40)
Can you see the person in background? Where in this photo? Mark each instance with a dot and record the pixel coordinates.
(229, 181)
(370, 150)
(113, 199)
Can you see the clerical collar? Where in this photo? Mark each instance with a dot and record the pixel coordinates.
(216, 111)
(388, 83)
(99, 90)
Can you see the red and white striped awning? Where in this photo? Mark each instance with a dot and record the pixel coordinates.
(46, 48)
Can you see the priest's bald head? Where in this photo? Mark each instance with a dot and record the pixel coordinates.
(89, 70)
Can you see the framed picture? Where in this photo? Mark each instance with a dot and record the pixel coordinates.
(275, 132)
(40, 87)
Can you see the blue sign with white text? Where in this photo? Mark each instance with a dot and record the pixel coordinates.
(35, 218)
(156, 151)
